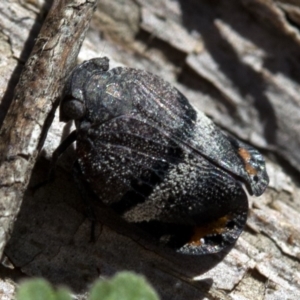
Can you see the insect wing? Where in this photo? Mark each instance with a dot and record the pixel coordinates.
(195, 132)
(155, 158)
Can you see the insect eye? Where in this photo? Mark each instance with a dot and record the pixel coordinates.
(73, 109)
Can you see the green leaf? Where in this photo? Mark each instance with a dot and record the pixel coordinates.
(124, 286)
(40, 289)
(63, 294)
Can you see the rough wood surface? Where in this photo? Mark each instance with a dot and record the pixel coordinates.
(53, 56)
(238, 61)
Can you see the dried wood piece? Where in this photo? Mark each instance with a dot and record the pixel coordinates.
(39, 88)
(255, 61)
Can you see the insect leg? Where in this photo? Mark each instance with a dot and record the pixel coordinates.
(70, 139)
(66, 143)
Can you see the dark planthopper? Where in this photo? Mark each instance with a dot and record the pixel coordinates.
(158, 162)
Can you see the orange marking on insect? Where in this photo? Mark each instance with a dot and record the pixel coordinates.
(246, 156)
(215, 227)
(250, 170)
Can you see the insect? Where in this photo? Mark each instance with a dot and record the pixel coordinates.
(156, 160)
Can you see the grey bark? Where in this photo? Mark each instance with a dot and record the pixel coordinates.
(39, 87)
(238, 61)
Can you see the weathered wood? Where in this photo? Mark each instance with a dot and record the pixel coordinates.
(238, 62)
(39, 88)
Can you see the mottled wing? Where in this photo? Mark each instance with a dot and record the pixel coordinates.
(167, 107)
(144, 175)
(163, 161)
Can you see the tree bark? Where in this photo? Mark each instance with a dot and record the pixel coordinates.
(36, 94)
(235, 60)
